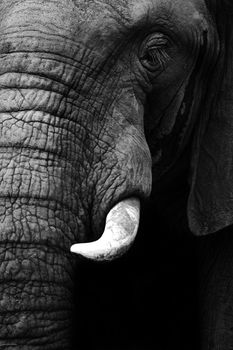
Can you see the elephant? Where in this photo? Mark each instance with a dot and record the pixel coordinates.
(107, 107)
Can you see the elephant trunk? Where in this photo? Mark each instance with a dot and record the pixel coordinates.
(36, 285)
(40, 217)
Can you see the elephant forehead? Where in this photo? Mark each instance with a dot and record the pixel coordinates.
(67, 17)
(75, 28)
(130, 12)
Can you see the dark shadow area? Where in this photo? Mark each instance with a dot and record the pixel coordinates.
(145, 300)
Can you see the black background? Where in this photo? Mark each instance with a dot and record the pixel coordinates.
(145, 300)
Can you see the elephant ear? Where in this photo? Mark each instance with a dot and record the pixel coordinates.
(210, 205)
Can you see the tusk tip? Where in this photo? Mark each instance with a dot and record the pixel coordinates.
(73, 248)
(77, 249)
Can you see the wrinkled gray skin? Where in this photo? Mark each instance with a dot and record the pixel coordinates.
(79, 82)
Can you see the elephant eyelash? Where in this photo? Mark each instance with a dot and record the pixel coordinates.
(158, 55)
(154, 52)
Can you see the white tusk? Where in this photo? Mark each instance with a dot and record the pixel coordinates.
(120, 231)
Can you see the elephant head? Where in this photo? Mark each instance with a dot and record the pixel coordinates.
(99, 100)
(180, 112)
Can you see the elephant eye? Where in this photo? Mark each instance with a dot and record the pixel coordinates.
(153, 53)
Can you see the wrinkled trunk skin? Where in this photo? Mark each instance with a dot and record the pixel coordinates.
(40, 218)
(59, 175)
(36, 301)
(216, 291)
(40, 210)
(38, 224)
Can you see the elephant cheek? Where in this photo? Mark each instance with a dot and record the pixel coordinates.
(135, 161)
(127, 175)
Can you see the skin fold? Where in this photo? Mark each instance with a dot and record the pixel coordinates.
(101, 101)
